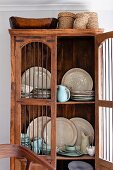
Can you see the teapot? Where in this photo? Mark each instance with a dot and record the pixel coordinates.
(84, 143)
(63, 93)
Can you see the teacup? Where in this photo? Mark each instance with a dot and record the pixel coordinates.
(70, 148)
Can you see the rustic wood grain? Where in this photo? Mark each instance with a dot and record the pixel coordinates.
(17, 151)
(65, 49)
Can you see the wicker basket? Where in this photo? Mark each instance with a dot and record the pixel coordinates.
(92, 21)
(66, 20)
(81, 21)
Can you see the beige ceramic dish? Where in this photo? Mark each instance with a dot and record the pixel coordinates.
(84, 126)
(66, 132)
(35, 128)
(37, 77)
(77, 79)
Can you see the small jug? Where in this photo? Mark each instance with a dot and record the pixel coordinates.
(91, 150)
(84, 143)
(63, 93)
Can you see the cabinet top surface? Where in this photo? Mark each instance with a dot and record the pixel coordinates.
(55, 32)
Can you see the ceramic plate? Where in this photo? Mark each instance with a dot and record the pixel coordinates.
(70, 154)
(83, 125)
(77, 79)
(82, 98)
(79, 165)
(35, 128)
(36, 77)
(66, 132)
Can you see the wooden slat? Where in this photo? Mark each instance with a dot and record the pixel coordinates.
(75, 102)
(105, 103)
(13, 106)
(106, 164)
(34, 101)
(85, 157)
(58, 32)
(8, 151)
(103, 36)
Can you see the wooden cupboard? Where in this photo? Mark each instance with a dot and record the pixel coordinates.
(57, 51)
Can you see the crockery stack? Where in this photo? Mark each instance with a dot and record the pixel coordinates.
(85, 95)
(41, 93)
(25, 140)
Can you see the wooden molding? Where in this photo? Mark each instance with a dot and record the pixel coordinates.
(69, 7)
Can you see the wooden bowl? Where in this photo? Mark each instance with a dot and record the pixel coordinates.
(32, 23)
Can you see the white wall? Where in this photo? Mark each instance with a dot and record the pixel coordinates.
(106, 21)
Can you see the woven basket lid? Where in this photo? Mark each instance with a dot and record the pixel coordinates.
(82, 14)
(66, 14)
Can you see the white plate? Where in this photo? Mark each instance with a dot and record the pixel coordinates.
(66, 132)
(77, 79)
(86, 92)
(83, 125)
(35, 128)
(82, 98)
(36, 77)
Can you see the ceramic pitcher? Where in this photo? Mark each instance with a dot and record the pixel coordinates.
(84, 143)
(63, 93)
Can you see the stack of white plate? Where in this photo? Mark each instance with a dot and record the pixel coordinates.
(86, 95)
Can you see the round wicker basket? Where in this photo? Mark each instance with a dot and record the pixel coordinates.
(92, 21)
(81, 21)
(66, 20)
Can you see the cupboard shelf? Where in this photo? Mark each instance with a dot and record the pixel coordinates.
(34, 101)
(48, 102)
(76, 102)
(85, 157)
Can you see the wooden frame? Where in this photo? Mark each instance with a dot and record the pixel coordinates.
(58, 40)
(100, 163)
(17, 151)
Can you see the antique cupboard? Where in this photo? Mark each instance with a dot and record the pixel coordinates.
(57, 51)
